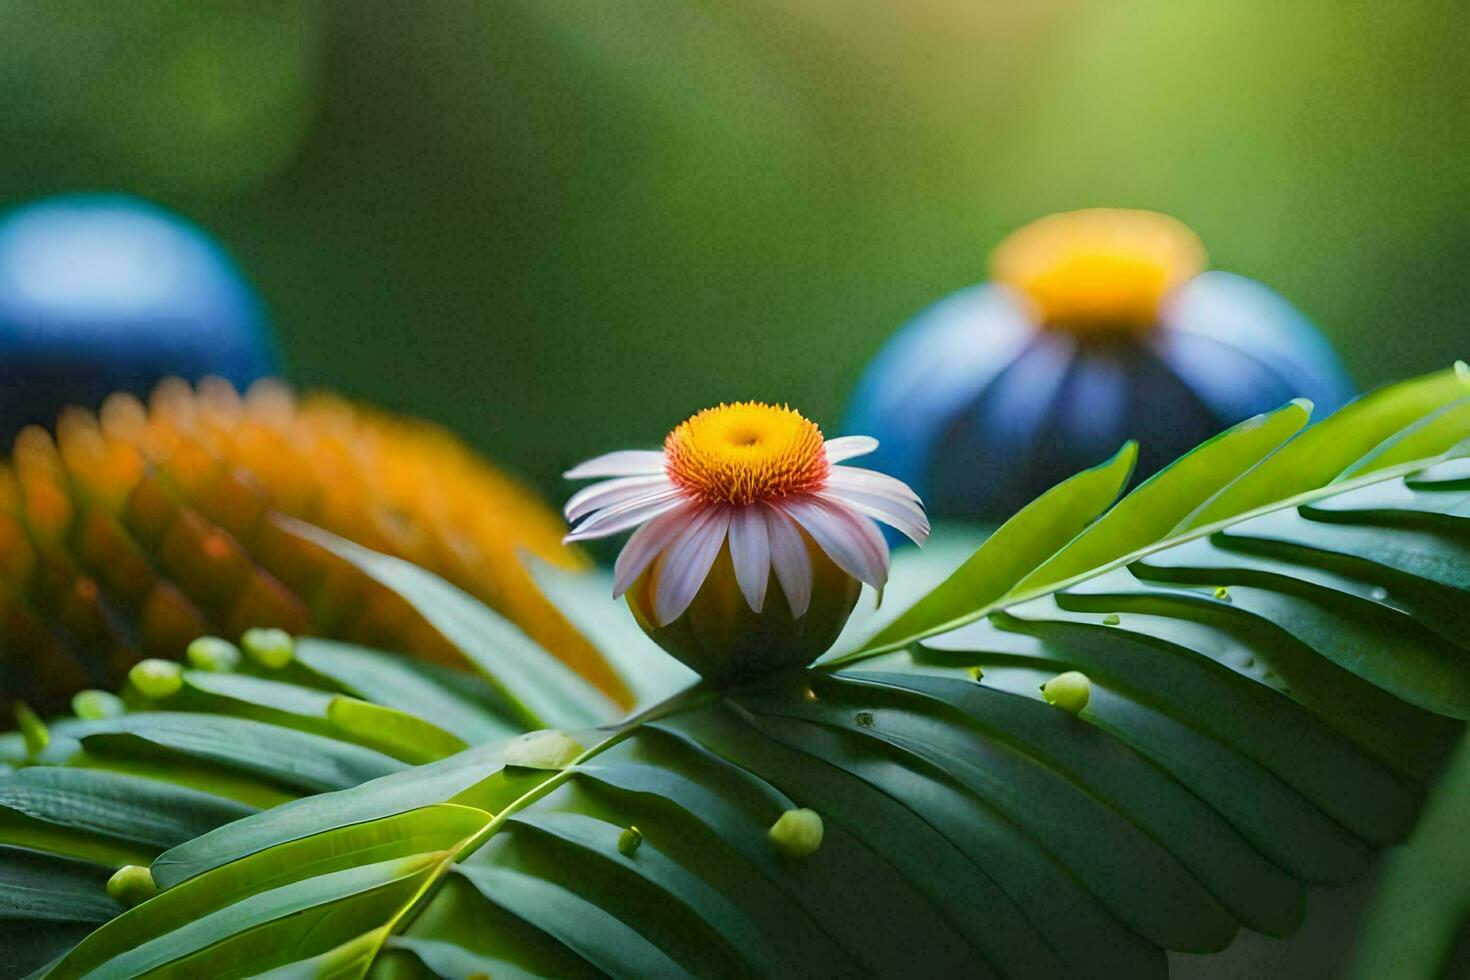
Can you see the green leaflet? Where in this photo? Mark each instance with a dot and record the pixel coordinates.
(47, 903)
(1011, 552)
(458, 703)
(1426, 437)
(413, 836)
(540, 689)
(279, 704)
(272, 928)
(108, 805)
(397, 733)
(451, 779)
(301, 760)
(1332, 448)
(1164, 499)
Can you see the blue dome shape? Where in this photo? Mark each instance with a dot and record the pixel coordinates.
(1098, 326)
(104, 292)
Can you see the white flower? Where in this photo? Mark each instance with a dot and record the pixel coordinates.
(758, 479)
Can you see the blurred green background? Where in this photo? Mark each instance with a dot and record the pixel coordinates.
(561, 227)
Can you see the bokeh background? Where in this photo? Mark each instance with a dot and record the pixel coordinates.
(561, 227)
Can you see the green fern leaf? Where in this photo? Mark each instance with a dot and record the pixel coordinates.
(1274, 641)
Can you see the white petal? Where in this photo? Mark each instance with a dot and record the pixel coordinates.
(629, 513)
(610, 492)
(851, 540)
(750, 551)
(846, 447)
(870, 481)
(687, 562)
(905, 505)
(647, 543)
(625, 462)
(905, 517)
(790, 562)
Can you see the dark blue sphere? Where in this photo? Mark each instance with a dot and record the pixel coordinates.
(103, 293)
(981, 408)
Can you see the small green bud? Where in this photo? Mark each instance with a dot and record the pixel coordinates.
(797, 833)
(213, 654)
(1070, 691)
(1112, 619)
(131, 884)
(548, 749)
(977, 672)
(629, 841)
(37, 736)
(271, 648)
(1222, 593)
(94, 705)
(156, 679)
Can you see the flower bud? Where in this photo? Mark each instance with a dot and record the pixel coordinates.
(797, 833)
(720, 638)
(156, 679)
(1070, 691)
(94, 705)
(271, 648)
(132, 884)
(213, 654)
(629, 841)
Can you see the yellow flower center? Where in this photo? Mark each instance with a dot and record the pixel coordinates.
(748, 451)
(1102, 269)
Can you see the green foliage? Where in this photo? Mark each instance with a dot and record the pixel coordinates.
(189, 750)
(1240, 473)
(1419, 910)
(1272, 684)
(535, 689)
(118, 787)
